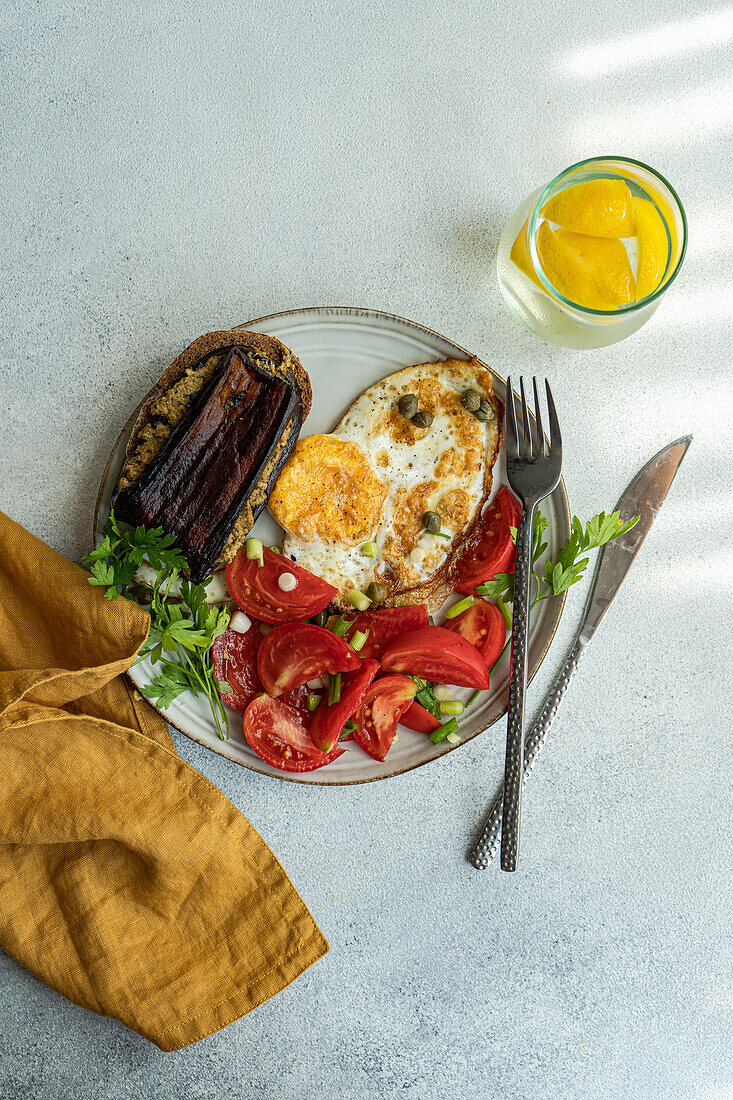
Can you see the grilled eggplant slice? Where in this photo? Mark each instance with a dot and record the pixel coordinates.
(209, 443)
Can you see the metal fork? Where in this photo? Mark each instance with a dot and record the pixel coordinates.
(533, 471)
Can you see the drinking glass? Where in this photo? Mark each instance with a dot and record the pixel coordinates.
(541, 306)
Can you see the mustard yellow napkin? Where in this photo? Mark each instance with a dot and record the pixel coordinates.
(127, 881)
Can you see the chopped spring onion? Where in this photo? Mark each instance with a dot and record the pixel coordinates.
(505, 611)
(358, 600)
(452, 706)
(254, 550)
(347, 730)
(265, 628)
(369, 549)
(441, 692)
(240, 622)
(441, 534)
(340, 627)
(442, 731)
(453, 738)
(473, 698)
(359, 638)
(276, 549)
(462, 605)
(334, 688)
(312, 702)
(426, 699)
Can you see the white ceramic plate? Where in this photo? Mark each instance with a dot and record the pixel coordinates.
(344, 351)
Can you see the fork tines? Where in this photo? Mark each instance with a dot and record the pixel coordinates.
(526, 438)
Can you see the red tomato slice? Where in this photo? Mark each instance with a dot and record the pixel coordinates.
(385, 624)
(277, 733)
(437, 654)
(255, 588)
(490, 550)
(328, 721)
(234, 657)
(483, 626)
(417, 718)
(297, 652)
(385, 702)
(298, 699)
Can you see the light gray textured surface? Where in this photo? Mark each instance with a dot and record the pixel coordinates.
(172, 168)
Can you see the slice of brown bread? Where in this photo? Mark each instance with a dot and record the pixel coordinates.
(173, 395)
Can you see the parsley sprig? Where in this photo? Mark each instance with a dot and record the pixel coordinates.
(181, 629)
(121, 553)
(567, 569)
(570, 565)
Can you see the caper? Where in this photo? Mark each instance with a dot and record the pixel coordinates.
(431, 522)
(376, 592)
(408, 405)
(423, 419)
(485, 411)
(471, 399)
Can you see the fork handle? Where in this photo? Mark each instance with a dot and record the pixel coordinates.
(514, 760)
(486, 846)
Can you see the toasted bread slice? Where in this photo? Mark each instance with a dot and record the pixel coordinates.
(209, 441)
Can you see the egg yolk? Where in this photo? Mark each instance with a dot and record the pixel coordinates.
(327, 489)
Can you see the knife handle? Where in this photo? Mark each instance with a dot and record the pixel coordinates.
(488, 843)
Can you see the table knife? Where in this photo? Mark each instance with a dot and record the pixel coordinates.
(643, 497)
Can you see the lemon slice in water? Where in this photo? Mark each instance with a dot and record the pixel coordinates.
(653, 247)
(608, 262)
(600, 208)
(519, 255)
(568, 273)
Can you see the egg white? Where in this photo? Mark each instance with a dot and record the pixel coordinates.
(408, 465)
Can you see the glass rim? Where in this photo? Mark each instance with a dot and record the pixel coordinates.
(621, 310)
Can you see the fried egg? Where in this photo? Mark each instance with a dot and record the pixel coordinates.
(373, 478)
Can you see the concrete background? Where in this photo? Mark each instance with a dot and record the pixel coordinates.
(169, 168)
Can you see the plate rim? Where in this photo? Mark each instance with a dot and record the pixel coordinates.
(340, 311)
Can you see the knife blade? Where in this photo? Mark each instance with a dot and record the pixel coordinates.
(643, 497)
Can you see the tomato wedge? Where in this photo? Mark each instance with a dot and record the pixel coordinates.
(385, 624)
(277, 733)
(328, 721)
(255, 588)
(417, 718)
(297, 652)
(483, 626)
(437, 654)
(234, 658)
(383, 705)
(491, 549)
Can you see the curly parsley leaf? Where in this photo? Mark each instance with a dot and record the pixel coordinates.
(571, 564)
(568, 568)
(602, 529)
(184, 628)
(539, 526)
(121, 553)
(501, 586)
